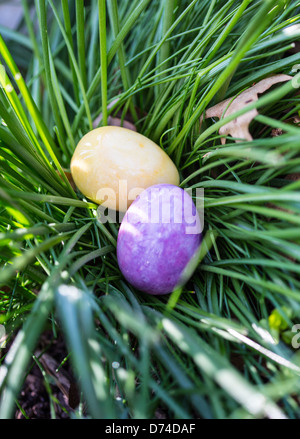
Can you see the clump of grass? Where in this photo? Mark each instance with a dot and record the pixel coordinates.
(218, 349)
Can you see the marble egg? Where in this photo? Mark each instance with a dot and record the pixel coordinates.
(158, 237)
(112, 165)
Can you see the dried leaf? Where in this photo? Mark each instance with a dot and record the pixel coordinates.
(69, 177)
(293, 177)
(239, 127)
(293, 120)
(276, 132)
(67, 386)
(114, 121)
(117, 122)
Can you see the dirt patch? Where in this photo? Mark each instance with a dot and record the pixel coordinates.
(35, 401)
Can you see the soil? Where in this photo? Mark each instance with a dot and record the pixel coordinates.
(51, 367)
(34, 399)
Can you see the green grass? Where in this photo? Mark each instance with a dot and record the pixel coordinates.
(222, 346)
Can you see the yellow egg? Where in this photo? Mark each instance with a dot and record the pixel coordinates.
(112, 165)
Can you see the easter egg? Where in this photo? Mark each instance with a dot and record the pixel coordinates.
(112, 165)
(158, 237)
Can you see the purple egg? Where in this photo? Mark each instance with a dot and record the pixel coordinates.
(158, 236)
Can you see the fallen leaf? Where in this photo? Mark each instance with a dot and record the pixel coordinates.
(69, 177)
(114, 121)
(239, 127)
(276, 132)
(294, 120)
(67, 386)
(117, 122)
(293, 177)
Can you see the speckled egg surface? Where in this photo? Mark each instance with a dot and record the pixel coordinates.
(158, 236)
(111, 164)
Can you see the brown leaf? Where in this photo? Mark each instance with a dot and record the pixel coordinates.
(115, 121)
(68, 387)
(239, 127)
(51, 365)
(276, 132)
(69, 177)
(293, 177)
(294, 120)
